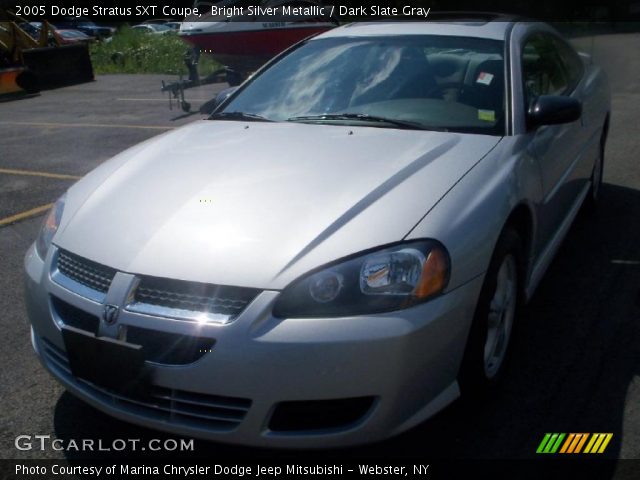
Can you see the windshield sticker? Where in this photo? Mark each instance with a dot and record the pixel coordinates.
(487, 115)
(485, 78)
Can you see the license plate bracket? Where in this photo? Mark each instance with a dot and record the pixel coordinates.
(106, 362)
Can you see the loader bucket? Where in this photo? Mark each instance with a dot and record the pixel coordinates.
(59, 66)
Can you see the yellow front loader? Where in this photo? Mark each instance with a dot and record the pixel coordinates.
(28, 65)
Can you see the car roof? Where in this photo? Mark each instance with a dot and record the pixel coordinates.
(492, 29)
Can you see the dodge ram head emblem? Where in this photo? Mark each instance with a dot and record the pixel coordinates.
(110, 314)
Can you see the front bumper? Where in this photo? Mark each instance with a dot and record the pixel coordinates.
(406, 361)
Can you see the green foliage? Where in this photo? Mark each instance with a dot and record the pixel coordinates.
(130, 51)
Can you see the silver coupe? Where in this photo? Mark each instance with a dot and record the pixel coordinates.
(339, 251)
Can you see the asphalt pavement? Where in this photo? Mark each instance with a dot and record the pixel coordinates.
(576, 362)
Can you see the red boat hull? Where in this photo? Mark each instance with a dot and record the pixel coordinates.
(247, 50)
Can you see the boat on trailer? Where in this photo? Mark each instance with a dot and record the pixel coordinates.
(244, 34)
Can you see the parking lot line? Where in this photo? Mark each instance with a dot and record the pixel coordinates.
(85, 125)
(24, 215)
(33, 173)
(142, 99)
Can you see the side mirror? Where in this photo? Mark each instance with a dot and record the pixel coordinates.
(212, 104)
(553, 110)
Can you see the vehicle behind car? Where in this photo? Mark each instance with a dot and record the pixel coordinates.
(85, 26)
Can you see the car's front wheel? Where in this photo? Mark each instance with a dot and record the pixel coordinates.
(488, 344)
(593, 199)
(596, 177)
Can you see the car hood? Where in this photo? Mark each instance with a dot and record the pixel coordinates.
(259, 204)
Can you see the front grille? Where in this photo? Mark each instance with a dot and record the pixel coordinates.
(169, 348)
(75, 317)
(159, 347)
(178, 407)
(90, 274)
(183, 299)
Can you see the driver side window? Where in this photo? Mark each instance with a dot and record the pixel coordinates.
(543, 72)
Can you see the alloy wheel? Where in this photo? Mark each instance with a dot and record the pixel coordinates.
(502, 311)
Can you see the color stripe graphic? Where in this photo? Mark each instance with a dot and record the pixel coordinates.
(574, 443)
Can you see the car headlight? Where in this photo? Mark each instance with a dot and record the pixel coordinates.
(392, 278)
(49, 227)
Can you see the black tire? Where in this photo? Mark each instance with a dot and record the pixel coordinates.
(28, 81)
(595, 192)
(477, 374)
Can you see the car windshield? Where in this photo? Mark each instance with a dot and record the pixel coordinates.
(423, 82)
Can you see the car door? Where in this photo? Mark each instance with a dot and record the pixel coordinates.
(556, 148)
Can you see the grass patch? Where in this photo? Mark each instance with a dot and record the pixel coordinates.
(130, 51)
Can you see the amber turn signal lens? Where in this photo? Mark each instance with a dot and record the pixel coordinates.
(435, 274)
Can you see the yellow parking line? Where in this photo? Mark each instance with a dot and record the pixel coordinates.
(23, 215)
(85, 125)
(15, 171)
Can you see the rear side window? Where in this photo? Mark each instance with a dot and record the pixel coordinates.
(543, 70)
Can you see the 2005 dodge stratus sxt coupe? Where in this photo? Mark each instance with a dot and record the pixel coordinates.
(336, 253)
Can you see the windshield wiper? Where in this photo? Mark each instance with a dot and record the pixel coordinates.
(363, 117)
(251, 117)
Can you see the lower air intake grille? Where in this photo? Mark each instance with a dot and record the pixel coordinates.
(180, 407)
(318, 415)
(169, 348)
(75, 317)
(88, 273)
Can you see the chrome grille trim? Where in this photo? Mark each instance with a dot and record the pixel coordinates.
(159, 297)
(191, 301)
(176, 313)
(82, 276)
(189, 409)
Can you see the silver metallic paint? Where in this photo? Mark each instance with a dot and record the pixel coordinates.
(287, 198)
